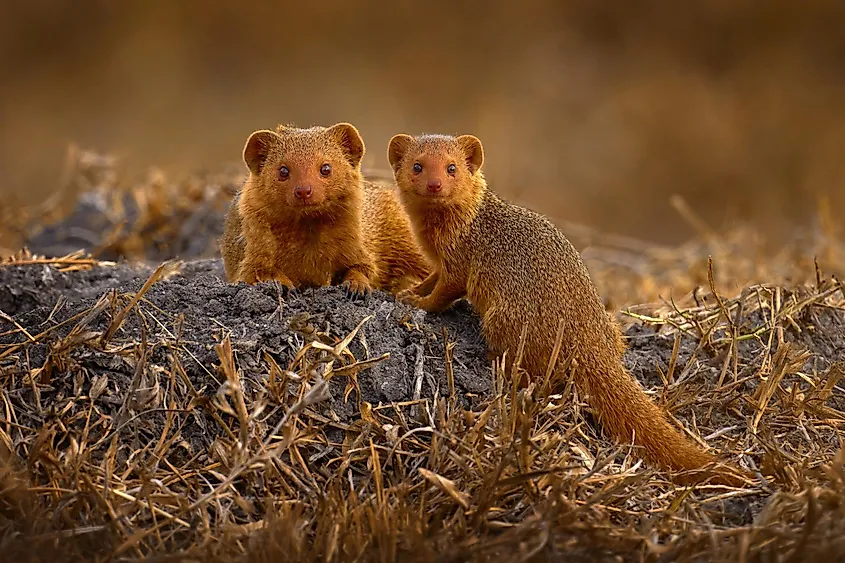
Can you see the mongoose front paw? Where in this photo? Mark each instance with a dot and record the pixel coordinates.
(356, 289)
(409, 297)
(265, 274)
(286, 288)
(257, 275)
(253, 277)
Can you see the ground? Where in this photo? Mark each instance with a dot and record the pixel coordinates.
(151, 409)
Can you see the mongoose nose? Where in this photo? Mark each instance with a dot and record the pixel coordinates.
(434, 185)
(302, 192)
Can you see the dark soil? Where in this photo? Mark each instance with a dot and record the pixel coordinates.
(200, 306)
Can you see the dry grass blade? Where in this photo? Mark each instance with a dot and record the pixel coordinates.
(227, 364)
(785, 362)
(447, 486)
(164, 270)
(9, 319)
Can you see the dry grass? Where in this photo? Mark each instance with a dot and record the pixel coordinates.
(523, 476)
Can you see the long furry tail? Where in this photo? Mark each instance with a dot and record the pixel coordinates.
(628, 414)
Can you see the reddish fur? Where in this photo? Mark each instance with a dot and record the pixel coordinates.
(515, 267)
(349, 231)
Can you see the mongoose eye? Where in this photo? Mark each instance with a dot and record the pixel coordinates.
(417, 168)
(451, 169)
(325, 170)
(284, 173)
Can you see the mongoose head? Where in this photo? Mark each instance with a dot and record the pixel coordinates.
(305, 170)
(437, 169)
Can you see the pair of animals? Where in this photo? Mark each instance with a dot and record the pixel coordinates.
(306, 217)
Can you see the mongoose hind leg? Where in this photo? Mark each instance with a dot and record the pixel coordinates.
(502, 333)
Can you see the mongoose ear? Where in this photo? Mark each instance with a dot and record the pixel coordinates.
(350, 140)
(397, 148)
(473, 150)
(256, 149)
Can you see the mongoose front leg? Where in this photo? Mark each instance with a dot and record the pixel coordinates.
(422, 289)
(441, 297)
(259, 268)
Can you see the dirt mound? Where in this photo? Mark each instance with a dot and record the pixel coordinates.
(200, 305)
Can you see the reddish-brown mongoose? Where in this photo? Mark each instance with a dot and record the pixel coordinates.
(516, 267)
(306, 218)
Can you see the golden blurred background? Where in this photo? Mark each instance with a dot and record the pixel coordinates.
(589, 112)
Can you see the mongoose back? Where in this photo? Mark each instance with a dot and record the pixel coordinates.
(515, 267)
(305, 217)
